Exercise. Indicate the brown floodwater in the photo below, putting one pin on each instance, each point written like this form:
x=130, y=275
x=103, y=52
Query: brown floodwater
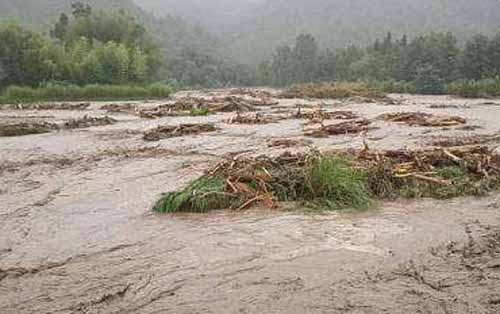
x=77, y=234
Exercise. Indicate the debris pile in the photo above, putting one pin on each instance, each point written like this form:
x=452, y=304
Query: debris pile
x=422, y=119
x=169, y=131
x=470, y=140
x=87, y=122
x=319, y=115
x=287, y=143
x=348, y=127
x=230, y=104
x=48, y=106
x=189, y=106
x=160, y=112
x=359, y=92
x=258, y=118
x=255, y=93
x=449, y=106
x=26, y=128
x=120, y=108
x=338, y=180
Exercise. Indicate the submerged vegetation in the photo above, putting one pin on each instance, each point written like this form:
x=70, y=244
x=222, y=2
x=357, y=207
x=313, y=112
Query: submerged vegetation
x=338, y=180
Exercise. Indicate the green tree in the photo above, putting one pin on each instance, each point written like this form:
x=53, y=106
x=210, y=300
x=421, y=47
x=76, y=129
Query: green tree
x=281, y=66
x=305, y=58
x=92, y=69
x=81, y=10
x=138, y=65
x=428, y=80
x=21, y=56
x=60, y=28
x=476, y=63
x=494, y=56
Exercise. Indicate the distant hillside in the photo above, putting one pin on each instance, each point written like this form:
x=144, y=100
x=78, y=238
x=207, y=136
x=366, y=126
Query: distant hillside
x=217, y=16
x=252, y=28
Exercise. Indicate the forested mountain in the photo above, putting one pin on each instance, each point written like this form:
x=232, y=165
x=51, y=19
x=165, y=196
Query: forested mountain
x=251, y=28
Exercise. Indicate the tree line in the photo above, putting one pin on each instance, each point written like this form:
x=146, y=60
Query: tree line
x=86, y=47
x=429, y=62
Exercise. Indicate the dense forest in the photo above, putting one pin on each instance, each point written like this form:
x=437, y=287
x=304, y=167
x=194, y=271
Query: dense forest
x=119, y=43
x=429, y=62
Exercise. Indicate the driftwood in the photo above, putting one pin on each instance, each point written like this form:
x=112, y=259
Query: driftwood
x=168, y=131
x=348, y=127
x=87, y=122
x=422, y=119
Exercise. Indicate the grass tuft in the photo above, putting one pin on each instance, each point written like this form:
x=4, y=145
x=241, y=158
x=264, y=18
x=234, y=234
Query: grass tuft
x=204, y=194
x=336, y=184
x=199, y=112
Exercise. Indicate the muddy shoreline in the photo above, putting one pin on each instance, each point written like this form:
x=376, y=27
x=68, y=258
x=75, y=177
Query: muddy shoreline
x=78, y=236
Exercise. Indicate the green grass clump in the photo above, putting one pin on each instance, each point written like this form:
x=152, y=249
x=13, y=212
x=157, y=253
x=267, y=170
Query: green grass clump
x=204, y=194
x=199, y=112
x=61, y=92
x=333, y=182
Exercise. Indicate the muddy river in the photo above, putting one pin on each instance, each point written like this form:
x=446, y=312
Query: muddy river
x=77, y=234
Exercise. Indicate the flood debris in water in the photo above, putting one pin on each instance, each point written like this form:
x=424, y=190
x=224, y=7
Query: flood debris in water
x=88, y=121
x=356, y=92
x=257, y=118
x=159, y=112
x=287, y=142
x=468, y=140
x=449, y=106
x=347, y=127
x=255, y=93
x=423, y=119
x=9, y=129
x=338, y=180
x=48, y=106
x=231, y=104
x=191, y=106
x=120, y=108
x=169, y=131
x=321, y=114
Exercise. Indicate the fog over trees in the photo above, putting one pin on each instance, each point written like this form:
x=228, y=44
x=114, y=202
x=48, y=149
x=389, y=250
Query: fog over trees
x=251, y=42
x=250, y=29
